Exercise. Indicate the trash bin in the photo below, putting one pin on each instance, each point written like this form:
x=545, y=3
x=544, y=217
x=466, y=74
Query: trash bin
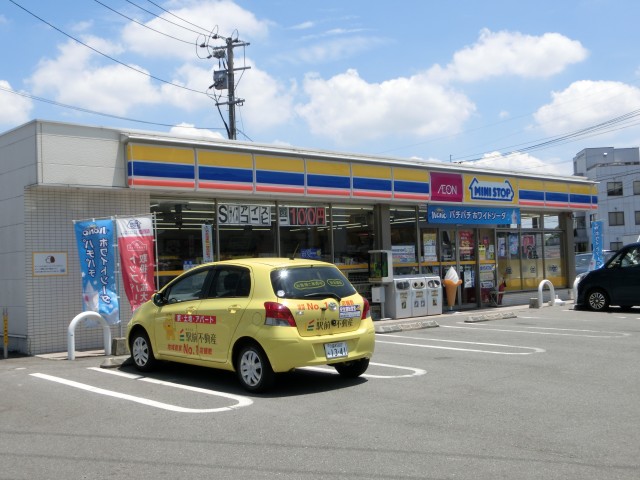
x=419, y=299
x=434, y=295
x=398, y=298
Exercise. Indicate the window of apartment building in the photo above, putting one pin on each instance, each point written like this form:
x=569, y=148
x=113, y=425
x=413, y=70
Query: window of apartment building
x=637, y=217
x=616, y=219
x=614, y=189
x=615, y=246
x=636, y=187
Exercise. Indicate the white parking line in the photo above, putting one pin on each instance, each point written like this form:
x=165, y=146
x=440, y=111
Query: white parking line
x=241, y=401
x=416, y=372
x=420, y=345
x=556, y=331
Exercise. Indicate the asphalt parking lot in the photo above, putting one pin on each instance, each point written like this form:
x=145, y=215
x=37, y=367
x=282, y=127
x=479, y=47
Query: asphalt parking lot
x=547, y=393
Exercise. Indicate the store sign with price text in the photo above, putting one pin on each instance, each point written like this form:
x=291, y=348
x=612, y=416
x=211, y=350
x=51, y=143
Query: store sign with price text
x=293, y=216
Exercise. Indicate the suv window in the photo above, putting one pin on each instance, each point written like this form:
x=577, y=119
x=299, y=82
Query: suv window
x=311, y=282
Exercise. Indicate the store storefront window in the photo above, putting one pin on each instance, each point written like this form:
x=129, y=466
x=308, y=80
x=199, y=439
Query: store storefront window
x=403, y=240
x=509, y=260
x=553, y=260
x=353, y=228
x=305, y=231
x=246, y=230
x=531, y=255
x=179, y=233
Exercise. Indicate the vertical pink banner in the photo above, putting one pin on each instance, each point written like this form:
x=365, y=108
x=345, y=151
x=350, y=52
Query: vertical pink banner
x=135, y=242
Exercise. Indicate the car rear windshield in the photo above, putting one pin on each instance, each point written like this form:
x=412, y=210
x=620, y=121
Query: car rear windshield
x=311, y=282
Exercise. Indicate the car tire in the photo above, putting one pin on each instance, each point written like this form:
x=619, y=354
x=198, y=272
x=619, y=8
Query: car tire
x=597, y=300
x=142, y=352
x=352, y=369
x=253, y=369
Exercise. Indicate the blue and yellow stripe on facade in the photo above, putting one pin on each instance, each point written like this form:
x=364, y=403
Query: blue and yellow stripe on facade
x=531, y=193
x=583, y=197
x=328, y=178
x=279, y=175
x=410, y=184
x=371, y=181
x=218, y=170
x=154, y=166
x=556, y=194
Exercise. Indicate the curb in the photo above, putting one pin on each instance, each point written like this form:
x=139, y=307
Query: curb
x=490, y=316
x=404, y=326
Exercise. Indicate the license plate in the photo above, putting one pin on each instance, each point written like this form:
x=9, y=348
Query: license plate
x=336, y=350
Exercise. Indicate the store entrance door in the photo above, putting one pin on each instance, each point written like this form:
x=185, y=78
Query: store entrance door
x=471, y=251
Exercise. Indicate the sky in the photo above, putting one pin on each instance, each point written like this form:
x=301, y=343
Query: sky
x=519, y=85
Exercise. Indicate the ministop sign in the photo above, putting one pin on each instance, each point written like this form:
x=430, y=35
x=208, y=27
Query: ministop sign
x=493, y=191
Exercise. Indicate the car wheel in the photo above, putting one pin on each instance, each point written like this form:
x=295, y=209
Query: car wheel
x=597, y=300
x=352, y=369
x=141, y=352
x=253, y=369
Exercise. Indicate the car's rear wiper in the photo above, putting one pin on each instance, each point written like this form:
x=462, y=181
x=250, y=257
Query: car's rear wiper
x=322, y=295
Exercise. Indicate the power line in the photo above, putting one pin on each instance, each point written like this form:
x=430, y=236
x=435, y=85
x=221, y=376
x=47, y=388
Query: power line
x=142, y=24
x=202, y=32
x=94, y=112
x=104, y=54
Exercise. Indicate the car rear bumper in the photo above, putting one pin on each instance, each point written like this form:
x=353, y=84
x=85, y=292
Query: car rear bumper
x=287, y=350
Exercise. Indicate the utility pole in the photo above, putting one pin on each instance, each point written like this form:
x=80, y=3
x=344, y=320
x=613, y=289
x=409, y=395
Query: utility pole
x=224, y=79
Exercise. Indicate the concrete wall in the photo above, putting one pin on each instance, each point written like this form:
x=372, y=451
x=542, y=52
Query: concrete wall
x=53, y=301
x=18, y=160
x=74, y=155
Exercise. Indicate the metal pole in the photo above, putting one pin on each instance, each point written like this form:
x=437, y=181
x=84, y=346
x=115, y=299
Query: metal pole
x=232, y=98
x=5, y=321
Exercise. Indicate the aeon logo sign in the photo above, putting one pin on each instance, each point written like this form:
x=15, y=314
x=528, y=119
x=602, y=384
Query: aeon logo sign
x=446, y=187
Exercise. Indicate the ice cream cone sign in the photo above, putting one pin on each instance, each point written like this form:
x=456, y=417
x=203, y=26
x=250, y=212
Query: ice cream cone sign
x=451, y=283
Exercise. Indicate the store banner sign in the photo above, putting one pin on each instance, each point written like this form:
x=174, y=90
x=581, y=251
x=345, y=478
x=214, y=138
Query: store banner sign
x=473, y=215
x=95, y=240
x=597, y=241
x=135, y=242
x=207, y=243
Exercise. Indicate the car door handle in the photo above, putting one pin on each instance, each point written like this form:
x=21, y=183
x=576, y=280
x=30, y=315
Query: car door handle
x=190, y=310
x=233, y=308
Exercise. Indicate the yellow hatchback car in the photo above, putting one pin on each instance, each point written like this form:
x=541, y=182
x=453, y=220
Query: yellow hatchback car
x=257, y=317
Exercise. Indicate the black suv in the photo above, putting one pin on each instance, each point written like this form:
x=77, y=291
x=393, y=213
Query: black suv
x=616, y=283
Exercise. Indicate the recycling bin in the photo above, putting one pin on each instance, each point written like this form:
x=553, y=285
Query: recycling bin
x=398, y=298
x=419, y=307
x=434, y=295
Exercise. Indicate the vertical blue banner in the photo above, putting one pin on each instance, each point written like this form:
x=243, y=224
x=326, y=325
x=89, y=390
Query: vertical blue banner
x=96, y=249
x=597, y=242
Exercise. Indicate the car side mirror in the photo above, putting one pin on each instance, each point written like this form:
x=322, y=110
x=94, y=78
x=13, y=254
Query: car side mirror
x=159, y=300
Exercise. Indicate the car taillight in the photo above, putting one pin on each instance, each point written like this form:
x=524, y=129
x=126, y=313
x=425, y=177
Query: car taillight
x=365, y=308
x=279, y=315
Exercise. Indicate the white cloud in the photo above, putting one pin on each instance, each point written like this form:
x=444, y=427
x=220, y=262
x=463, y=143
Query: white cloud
x=521, y=162
x=348, y=109
x=512, y=53
x=585, y=103
x=303, y=26
x=15, y=109
x=331, y=50
x=222, y=17
x=75, y=77
x=268, y=102
x=187, y=130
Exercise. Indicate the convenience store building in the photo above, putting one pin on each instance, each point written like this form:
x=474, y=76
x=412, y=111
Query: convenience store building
x=492, y=226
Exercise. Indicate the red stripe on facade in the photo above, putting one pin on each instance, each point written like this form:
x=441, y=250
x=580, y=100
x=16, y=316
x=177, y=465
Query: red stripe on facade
x=328, y=191
x=274, y=189
x=410, y=196
x=226, y=186
x=147, y=182
x=357, y=193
